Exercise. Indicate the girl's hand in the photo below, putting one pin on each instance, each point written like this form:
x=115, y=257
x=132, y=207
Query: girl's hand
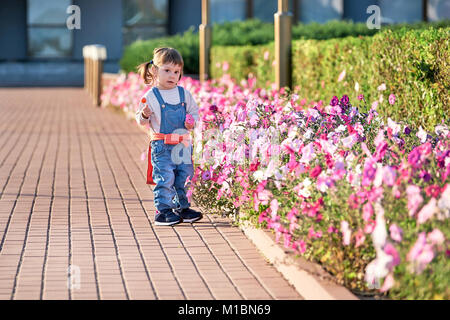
x=189, y=122
x=146, y=111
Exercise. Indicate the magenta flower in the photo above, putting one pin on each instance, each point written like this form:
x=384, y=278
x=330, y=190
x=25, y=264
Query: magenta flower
x=361, y=97
x=213, y=108
x=206, y=175
x=334, y=101
x=316, y=171
x=414, y=158
x=369, y=172
x=345, y=100
x=392, y=98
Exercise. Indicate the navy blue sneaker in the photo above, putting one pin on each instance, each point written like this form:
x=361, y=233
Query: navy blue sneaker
x=189, y=215
x=167, y=218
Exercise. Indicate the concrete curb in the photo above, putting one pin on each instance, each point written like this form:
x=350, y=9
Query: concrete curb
x=309, y=279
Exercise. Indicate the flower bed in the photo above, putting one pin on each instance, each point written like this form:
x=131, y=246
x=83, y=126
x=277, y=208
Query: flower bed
x=367, y=200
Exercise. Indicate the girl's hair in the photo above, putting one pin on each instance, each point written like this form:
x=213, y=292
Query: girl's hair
x=161, y=56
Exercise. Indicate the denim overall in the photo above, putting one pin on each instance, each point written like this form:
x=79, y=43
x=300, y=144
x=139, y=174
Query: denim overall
x=169, y=192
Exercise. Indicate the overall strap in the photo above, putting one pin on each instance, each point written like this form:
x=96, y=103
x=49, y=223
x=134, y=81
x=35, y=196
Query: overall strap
x=158, y=95
x=181, y=91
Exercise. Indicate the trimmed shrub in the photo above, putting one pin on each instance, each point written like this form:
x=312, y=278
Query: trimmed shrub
x=413, y=65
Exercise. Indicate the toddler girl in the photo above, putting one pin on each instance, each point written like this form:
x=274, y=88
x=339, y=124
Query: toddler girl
x=171, y=112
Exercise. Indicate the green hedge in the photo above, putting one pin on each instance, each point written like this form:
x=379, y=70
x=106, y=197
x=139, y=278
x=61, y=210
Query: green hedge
x=414, y=65
x=242, y=33
x=140, y=51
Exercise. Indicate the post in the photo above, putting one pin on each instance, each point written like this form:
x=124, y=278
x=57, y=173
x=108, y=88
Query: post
x=93, y=59
x=283, y=35
x=205, y=41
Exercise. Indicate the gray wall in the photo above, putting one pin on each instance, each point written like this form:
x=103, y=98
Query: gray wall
x=13, y=29
x=184, y=14
x=101, y=23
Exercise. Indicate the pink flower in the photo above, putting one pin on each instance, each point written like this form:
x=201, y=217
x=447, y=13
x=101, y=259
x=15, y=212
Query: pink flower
x=389, y=175
x=316, y=171
x=341, y=76
x=396, y=232
x=388, y=282
x=346, y=233
x=390, y=250
x=367, y=211
x=225, y=66
x=417, y=248
x=369, y=227
x=427, y=211
x=274, y=208
x=359, y=238
x=414, y=199
x=266, y=55
x=392, y=98
x=382, y=87
x=436, y=237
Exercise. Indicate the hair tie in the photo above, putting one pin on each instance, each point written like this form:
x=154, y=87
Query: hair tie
x=151, y=61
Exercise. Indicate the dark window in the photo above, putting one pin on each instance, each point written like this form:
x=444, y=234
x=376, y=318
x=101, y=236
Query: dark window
x=144, y=19
x=48, y=35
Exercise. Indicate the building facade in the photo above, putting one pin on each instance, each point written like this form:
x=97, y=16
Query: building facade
x=38, y=48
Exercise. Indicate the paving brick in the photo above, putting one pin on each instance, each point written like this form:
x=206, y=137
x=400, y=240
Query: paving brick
x=72, y=149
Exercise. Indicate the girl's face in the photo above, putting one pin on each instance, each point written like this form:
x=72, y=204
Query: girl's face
x=168, y=75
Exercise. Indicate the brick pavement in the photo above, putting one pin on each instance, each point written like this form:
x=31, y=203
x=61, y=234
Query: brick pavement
x=73, y=193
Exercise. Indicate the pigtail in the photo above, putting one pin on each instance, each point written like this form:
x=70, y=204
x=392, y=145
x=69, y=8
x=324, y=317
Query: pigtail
x=145, y=72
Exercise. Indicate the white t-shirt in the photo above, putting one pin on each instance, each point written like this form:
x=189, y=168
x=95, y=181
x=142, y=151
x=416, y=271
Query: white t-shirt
x=170, y=96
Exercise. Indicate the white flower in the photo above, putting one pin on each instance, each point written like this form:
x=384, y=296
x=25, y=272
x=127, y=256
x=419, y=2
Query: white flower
x=308, y=133
x=441, y=130
x=422, y=135
x=356, y=86
x=394, y=126
x=349, y=141
x=378, y=175
x=379, y=234
x=258, y=175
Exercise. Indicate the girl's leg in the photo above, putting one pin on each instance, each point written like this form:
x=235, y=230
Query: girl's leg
x=182, y=172
x=163, y=176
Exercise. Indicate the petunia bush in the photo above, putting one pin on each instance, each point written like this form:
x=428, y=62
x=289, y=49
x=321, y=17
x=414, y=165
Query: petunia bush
x=368, y=200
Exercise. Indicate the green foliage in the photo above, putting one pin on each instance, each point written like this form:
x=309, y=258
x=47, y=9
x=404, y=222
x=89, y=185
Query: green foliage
x=141, y=51
x=244, y=33
x=414, y=65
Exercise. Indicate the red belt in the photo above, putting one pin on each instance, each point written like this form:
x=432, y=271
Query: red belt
x=170, y=138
